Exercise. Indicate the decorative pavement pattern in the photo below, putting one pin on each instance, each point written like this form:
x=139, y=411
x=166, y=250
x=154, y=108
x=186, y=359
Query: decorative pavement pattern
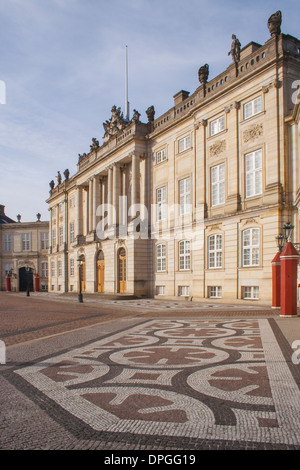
x=202, y=379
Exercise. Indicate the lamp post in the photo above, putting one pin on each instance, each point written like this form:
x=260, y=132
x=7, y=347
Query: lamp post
x=79, y=259
x=27, y=268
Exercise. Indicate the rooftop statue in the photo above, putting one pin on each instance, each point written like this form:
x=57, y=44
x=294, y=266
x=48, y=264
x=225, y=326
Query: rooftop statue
x=235, y=50
x=115, y=124
x=274, y=23
x=203, y=74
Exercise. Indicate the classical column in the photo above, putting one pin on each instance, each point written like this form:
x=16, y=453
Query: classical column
x=90, y=206
x=79, y=212
x=116, y=192
x=109, y=195
x=135, y=184
x=57, y=226
x=86, y=210
x=96, y=199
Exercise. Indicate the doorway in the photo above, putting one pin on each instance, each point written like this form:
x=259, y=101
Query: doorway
x=25, y=280
x=82, y=273
x=122, y=270
x=100, y=272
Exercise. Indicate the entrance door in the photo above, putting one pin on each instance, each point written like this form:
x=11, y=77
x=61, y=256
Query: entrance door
x=25, y=280
x=100, y=272
x=122, y=271
x=82, y=274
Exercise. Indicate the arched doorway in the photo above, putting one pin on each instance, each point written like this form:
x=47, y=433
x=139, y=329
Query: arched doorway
x=122, y=271
x=25, y=279
x=82, y=273
x=100, y=272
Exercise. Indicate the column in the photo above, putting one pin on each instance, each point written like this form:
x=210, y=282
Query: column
x=135, y=185
x=96, y=200
x=90, y=206
x=109, y=195
x=116, y=192
x=86, y=210
x=79, y=212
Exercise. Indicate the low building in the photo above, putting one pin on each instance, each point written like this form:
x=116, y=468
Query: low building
x=24, y=248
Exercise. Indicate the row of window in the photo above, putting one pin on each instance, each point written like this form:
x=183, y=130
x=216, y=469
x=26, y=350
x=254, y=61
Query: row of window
x=216, y=126
x=214, y=292
x=25, y=241
x=250, y=251
x=8, y=267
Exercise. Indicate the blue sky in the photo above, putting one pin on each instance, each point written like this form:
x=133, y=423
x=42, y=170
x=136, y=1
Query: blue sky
x=63, y=64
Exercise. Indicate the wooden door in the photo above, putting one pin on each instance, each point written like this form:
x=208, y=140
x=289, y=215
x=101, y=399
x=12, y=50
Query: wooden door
x=122, y=271
x=100, y=275
x=82, y=268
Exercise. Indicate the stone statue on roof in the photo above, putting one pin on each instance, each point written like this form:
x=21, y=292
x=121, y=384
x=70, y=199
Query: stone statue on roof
x=235, y=50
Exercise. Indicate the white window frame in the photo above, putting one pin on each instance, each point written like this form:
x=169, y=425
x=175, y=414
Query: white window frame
x=26, y=241
x=161, y=258
x=52, y=267
x=184, y=189
x=253, y=173
x=160, y=290
x=161, y=203
x=217, y=178
x=44, y=241
x=54, y=238
x=215, y=251
x=250, y=292
x=72, y=232
x=253, y=107
x=161, y=156
x=61, y=235
x=215, y=292
x=251, y=247
x=72, y=267
x=184, y=144
x=184, y=252
x=7, y=242
x=44, y=269
x=183, y=291
x=218, y=125
x=59, y=268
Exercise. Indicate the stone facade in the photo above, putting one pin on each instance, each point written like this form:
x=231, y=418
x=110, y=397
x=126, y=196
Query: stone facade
x=24, y=245
x=214, y=178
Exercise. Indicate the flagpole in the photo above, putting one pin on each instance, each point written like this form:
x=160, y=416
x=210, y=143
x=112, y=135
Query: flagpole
x=126, y=87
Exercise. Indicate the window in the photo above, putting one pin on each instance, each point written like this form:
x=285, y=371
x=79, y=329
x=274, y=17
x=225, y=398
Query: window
x=25, y=241
x=59, y=268
x=215, y=292
x=161, y=251
x=184, y=196
x=253, y=173
x=54, y=238
x=161, y=156
x=251, y=247
x=8, y=267
x=217, y=126
x=72, y=267
x=184, y=291
x=7, y=242
x=252, y=108
x=217, y=185
x=52, y=269
x=250, y=292
x=44, y=241
x=215, y=251
x=184, y=144
x=72, y=233
x=160, y=290
x=61, y=236
x=184, y=255
x=72, y=202
x=161, y=203
x=44, y=269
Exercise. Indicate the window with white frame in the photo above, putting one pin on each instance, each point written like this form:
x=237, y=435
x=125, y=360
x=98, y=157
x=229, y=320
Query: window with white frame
x=218, y=125
x=25, y=241
x=184, y=143
x=251, y=247
x=250, y=292
x=217, y=184
x=184, y=291
x=161, y=156
x=72, y=232
x=215, y=292
x=44, y=241
x=185, y=196
x=61, y=236
x=59, y=268
x=252, y=107
x=160, y=290
x=72, y=267
x=215, y=246
x=184, y=255
x=54, y=238
x=161, y=203
x=253, y=173
x=44, y=269
x=161, y=258
x=7, y=244
x=52, y=269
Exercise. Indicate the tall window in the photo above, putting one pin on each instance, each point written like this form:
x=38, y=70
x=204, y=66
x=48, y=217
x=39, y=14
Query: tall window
x=161, y=203
x=44, y=241
x=61, y=236
x=252, y=107
x=25, y=241
x=52, y=269
x=72, y=233
x=184, y=255
x=72, y=267
x=44, y=269
x=217, y=126
x=7, y=242
x=215, y=243
x=161, y=253
x=251, y=247
x=161, y=156
x=184, y=144
x=253, y=173
x=59, y=268
x=184, y=196
x=218, y=185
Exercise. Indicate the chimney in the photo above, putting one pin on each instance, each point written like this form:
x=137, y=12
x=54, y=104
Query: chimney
x=2, y=209
x=180, y=96
x=19, y=218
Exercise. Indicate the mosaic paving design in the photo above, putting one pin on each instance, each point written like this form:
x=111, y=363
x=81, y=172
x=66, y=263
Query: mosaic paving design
x=204, y=379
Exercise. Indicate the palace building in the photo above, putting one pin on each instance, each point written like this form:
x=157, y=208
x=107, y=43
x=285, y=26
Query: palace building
x=188, y=204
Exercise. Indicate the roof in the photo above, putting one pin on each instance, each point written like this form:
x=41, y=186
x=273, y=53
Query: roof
x=3, y=218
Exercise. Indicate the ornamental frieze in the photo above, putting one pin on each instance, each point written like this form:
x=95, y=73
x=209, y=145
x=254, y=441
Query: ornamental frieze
x=217, y=148
x=253, y=133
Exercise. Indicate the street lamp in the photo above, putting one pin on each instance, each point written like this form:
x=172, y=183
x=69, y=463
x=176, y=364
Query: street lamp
x=288, y=230
x=79, y=259
x=27, y=268
x=280, y=241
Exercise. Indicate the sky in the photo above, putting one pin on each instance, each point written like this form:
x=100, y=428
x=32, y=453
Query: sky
x=62, y=68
